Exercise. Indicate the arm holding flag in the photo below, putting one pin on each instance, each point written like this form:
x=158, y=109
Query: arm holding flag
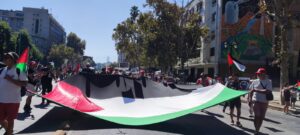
x=16, y=82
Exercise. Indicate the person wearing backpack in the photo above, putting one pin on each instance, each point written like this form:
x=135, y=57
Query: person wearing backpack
x=260, y=88
x=10, y=92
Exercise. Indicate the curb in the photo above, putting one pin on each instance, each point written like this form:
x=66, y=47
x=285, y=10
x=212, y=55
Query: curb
x=275, y=107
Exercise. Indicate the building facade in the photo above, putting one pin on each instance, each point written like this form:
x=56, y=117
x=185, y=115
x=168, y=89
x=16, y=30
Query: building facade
x=40, y=24
x=122, y=60
x=236, y=27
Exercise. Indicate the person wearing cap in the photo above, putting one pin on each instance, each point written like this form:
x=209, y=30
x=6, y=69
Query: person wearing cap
x=259, y=88
x=10, y=92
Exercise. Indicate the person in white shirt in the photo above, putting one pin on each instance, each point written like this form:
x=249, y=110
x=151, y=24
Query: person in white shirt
x=259, y=89
x=10, y=92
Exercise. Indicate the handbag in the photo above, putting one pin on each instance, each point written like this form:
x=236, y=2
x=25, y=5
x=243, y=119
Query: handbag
x=269, y=95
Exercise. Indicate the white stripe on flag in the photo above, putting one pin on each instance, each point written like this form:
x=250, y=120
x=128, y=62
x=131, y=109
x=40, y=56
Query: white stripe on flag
x=239, y=66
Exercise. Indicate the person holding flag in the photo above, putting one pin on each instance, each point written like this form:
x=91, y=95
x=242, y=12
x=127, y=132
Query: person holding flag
x=259, y=90
x=12, y=78
x=32, y=81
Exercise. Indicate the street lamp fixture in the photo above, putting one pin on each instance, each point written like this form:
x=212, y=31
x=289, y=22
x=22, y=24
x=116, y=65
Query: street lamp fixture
x=231, y=45
x=225, y=44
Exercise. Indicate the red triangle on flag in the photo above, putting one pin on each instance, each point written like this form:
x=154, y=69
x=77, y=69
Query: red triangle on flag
x=24, y=56
x=229, y=59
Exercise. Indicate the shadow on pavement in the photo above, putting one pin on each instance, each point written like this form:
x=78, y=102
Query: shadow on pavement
x=193, y=124
x=51, y=121
x=294, y=115
x=41, y=106
x=251, y=130
x=23, y=116
x=272, y=121
x=213, y=114
x=273, y=129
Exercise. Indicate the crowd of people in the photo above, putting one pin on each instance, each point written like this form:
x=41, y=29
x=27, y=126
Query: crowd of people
x=41, y=77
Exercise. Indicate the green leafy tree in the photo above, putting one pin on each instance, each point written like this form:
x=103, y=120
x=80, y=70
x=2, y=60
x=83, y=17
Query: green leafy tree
x=148, y=27
x=59, y=53
x=5, y=35
x=76, y=43
x=191, y=39
x=157, y=38
x=279, y=11
x=23, y=41
x=128, y=39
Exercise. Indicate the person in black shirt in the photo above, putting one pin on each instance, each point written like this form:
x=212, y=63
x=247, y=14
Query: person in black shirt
x=233, y=83
x=46, y=82
x=88, y=69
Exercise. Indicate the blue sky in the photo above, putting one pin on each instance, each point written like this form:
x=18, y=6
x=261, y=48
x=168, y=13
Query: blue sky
x=91, y=20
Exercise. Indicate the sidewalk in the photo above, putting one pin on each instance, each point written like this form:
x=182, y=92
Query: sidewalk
x=275, y=104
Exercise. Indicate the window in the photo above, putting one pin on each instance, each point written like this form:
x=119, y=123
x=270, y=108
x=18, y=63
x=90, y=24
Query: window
x=214, y=2
x=212, y=51
x=199, y=71
x=36, y=26
x=212, y=35
x=211, y=71
x=213, y=17
x=199, y=6
x=192, y=11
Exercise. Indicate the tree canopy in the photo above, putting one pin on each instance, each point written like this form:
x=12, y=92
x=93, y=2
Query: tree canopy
x=76, y=43
x=159, y=37
x=17, y=42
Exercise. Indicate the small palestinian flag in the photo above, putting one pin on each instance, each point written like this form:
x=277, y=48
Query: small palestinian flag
x=298, y=85
x=238, y=64
x=23, y=60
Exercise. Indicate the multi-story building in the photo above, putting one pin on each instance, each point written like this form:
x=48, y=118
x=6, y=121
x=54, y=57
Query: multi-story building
x=41, y=25
x=122, y=60
x=14, y=18
x=236, y=27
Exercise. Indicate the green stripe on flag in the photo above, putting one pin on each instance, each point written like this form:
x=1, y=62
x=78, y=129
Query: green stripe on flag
x=22, y=67
x=225, y=95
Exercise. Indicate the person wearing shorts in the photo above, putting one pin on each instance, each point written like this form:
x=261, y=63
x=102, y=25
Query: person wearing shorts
x=233, y=83
x=293, y=97
x=10, y=92
x=259, y=88
x=286, y=90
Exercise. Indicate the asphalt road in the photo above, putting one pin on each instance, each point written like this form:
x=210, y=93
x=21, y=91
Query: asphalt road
x=212, y=121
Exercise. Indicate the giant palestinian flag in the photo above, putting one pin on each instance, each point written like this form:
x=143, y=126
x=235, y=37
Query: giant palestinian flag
x=135, y=101
x=298, y=85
